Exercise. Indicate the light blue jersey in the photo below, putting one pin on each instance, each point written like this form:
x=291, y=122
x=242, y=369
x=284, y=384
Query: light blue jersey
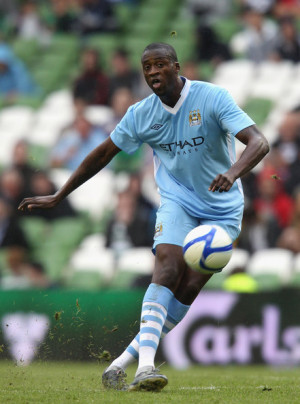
x=192, y=143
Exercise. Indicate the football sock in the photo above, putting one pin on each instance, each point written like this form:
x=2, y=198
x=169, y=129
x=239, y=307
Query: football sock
x=154, y=313
x=176, y=312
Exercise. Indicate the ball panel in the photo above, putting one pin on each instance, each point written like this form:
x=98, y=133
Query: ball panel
x=207, y=249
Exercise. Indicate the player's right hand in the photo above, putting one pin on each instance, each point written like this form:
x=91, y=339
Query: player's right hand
x=38, y=202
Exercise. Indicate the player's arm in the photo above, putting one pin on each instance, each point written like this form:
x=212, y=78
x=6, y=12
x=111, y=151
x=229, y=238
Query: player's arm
x=90, y=166
x=256, y=148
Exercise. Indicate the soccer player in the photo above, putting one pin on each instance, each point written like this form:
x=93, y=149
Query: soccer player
x=191, y=126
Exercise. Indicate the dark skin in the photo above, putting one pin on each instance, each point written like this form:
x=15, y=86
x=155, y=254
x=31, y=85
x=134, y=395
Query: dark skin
x=161, y=74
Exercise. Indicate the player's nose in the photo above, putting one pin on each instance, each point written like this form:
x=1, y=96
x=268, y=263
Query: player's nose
x=152, y=71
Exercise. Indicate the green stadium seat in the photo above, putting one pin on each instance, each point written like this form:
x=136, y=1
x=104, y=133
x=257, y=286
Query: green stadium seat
x=268, y=282
x=47, y=78
x=124, y=13
x=27, y=50
x=123, y=280
x=36, y=230
x=2, y=259
x=216, y=282
x=225, y=28
x=29, y=101
x=85, y=280
x=38, y=155
x=258, y=109
x=69, y=231
x=295, y=280
x=105, y=44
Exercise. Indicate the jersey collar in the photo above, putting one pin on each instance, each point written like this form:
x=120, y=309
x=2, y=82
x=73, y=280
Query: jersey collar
x=183, y=95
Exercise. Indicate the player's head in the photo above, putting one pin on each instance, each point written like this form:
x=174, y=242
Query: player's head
x=160, y=67
x=167, y=49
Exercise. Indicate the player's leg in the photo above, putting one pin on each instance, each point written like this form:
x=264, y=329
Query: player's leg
x=172, y=225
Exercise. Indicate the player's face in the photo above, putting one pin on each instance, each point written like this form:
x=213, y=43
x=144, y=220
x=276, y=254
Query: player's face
x=160, y=72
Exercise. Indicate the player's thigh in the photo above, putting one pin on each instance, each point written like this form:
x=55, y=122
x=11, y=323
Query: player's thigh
x=172, y=224
x=231, y=225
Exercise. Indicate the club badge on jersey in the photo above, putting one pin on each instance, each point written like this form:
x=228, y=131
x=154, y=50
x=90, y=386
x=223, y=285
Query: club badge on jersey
x=195, y=117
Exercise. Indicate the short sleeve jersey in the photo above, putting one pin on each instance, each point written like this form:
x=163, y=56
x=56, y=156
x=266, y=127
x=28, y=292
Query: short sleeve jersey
x=192, y=143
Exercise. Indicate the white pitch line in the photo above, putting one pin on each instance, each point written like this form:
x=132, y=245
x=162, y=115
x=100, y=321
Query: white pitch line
x=200, y=388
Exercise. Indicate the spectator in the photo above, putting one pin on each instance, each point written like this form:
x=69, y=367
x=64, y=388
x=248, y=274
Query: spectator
x=19, y=272
x=121, y=100
x=209, y=47
x=92, y=85
x=75, y=143
x=256, y=41
x=272, y=200
x=96, y=16
x=128, y=226
x=146, y=207
x=11, y=234
x=259, y=230
x=263, y=6
x=63, y=16
x=287, y=44
x=122, y=73
x=12, y=186
x=287, y=7
x=20, y=162
x=14, y=78
x=292, y=179
x=290, y=236
x=41, y=185
x=285, y=150
x=191, y=69
x=29, y=22
x=209, y=9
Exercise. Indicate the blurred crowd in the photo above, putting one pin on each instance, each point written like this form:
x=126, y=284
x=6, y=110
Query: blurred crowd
x=269, y=30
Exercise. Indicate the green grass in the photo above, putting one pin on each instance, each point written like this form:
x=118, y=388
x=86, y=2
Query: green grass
x=80, y=383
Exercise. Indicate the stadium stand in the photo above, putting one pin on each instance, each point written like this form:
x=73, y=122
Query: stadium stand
x=71, y=249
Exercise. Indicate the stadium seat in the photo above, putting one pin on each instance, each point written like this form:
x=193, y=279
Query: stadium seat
x=269, y=73
x=273, y=261
x=99, y=260
x=36, y=230
x=267, y=282
x=96, y=195
x=239, y=259
x=295, y=277
x=58, y=100
x=68, y=232
x=225, y=28
x=235, y=76
x=17, y=116
x=28, y=50
x=137, y=260
x=216, y=281
x=84, y=280
x=258, y=109
x=98, y=114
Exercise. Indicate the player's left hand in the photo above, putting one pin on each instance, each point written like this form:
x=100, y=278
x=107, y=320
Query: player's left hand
x=222, y=183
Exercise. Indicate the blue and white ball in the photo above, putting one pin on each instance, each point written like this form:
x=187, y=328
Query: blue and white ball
x=207, y=249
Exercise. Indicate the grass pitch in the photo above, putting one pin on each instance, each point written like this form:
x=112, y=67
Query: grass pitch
x=69, y=382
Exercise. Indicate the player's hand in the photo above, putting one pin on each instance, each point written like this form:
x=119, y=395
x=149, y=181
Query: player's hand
x=38, y=202
x=222, y=183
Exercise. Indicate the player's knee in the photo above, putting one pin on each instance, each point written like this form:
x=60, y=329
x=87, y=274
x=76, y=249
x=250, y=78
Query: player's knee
x=169, y=268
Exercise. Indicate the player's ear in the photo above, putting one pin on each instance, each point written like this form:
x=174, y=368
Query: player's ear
x=177, y=66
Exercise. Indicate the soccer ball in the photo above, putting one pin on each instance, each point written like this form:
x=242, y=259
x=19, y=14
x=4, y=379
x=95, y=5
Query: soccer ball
x=207, y=249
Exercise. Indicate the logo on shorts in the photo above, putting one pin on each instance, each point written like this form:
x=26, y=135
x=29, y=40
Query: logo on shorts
x=158, y=230
x=156, y=126
x=195, y=117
